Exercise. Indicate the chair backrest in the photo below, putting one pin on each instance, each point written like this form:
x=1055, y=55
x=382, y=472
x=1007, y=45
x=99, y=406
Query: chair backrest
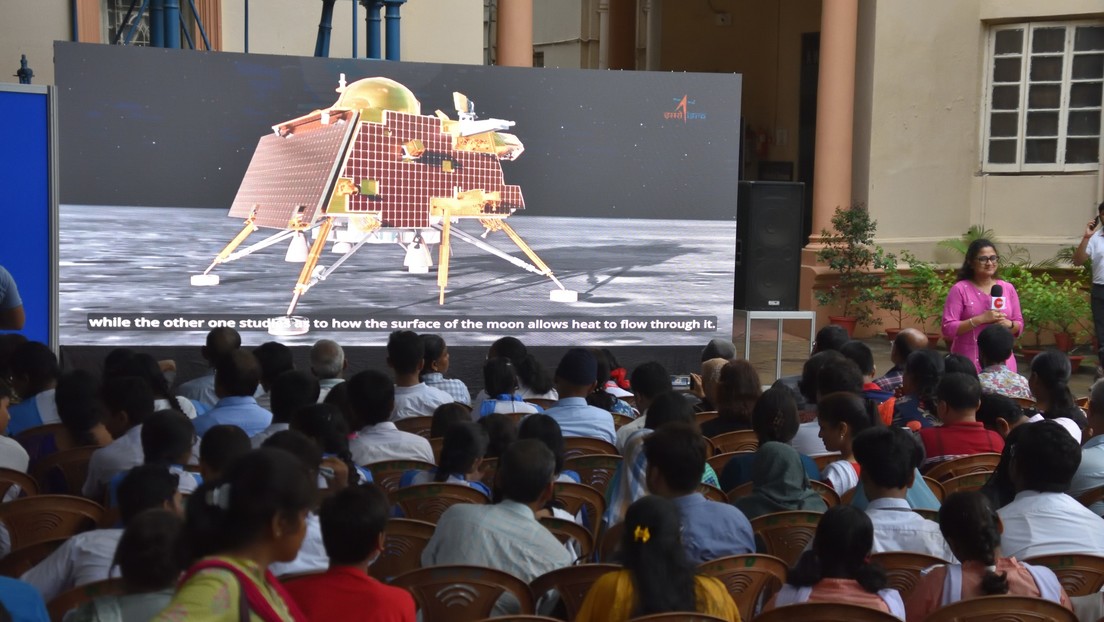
x=47, y=517
x=403, y=543
x=742, y=490
x=786, y=534
x=24, y=558
x=936, y=487
x=826, y=612
x=970, y=481
x=932, y=515
x=620, y=420
x=740, y=440
x=719, y=461
x=489, y=469
x=462, y=593
x=427, y=502
x=581, y=446
x=609, y=544
x=847, y=497
x=1003, y=608
x=749, y=579
x=712, y=493
x=710, y=449
x=542, y=402
x=388, y=473
x=595, y=470
x=823, y=460
x=67, y=601
x=415, y=425
x=826, y=492
x=678, y=616
x=575, y=497
x=436, y=444
x=28, y=487
x=1089, y=497
x=704, y=416
x=566, y=531
x=39, y=440
x=572, y=583
x=1079, y=574
x=944, y=471
x=69, y=467
x=903, y=569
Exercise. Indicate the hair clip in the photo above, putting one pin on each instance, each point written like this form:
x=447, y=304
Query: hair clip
x=641, y=534
x=219, y=497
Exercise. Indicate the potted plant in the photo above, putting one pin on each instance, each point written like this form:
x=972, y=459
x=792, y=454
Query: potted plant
x=849, y=251
x=923, y=292
x=1068, y=306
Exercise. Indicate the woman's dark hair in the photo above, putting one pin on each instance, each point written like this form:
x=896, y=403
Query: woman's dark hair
x=925, y=369
x=116, y=362
x=339, y=396
x=837, y=408
x=958, y=364
x=78, y=405
x=996, y=406
x=324, y=424
x=531, y=373
x=599, y=397
x=841, y=550
x=501, y=433
x=811, y=370
x=235, y=510
x=464, y=444
x=145, y=366
x=738, y=388
x=970, y=525
x=499, y=377
x=1052, y=368
x=434, y=349
x=999, y=488
x=546, y=430
x=774, y=417
x=662, y=575
x=445, y=415
x=966, y=272
x=144, y=554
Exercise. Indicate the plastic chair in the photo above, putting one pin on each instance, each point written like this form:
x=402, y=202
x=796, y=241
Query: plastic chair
x=1079, y=574
x=741, y=440
x=710, y=448
x=67, y=601
x=427, y=502
x=489, y=469
x=742, y=490
x=1002, y=609
x=620, y=420
x=970, y=481
x=572, y=583
x=750, y=579
x=415, y=425
x=826, y=492
x=825, y=612
x=719, y=461
x=609, y=545
x=712, y=493
x=48, y=517
x=575, y=497
x=575, y=446
x=39, y=440
x=976, y=463
x=28, y=487
x=387, y=474
x=678, y=616
x=903, y=569
x=846, y=498
x=64, y=472
x=704, y=416
x=566, y=531
x=823, y=460
x=403, y=543
x=436, y=444
x=786, y=534
x=936, y=487
x=1089, y=497
x=24, y=558
x=462, y=593
x=595, y=471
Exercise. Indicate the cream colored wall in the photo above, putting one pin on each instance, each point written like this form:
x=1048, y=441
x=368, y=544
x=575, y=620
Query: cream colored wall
x=441, y=31
x=558, y=32
x=30, y=27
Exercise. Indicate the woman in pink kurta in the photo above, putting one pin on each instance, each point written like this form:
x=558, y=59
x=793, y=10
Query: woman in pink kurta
x=969, y=306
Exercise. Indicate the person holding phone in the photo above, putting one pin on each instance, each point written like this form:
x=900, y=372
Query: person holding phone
x=1092, y=248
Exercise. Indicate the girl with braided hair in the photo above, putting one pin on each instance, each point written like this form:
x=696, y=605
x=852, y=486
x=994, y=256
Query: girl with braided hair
x=1049, y=382
x=973, y=532
x=915, y=408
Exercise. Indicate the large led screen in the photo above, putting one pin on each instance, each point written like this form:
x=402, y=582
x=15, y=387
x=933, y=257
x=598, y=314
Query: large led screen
x=313, y=197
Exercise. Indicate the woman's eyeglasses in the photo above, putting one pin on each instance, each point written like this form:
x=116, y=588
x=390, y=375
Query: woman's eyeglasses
x=989, y=259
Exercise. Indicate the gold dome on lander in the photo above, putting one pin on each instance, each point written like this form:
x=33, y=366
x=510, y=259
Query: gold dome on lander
x=371, y=96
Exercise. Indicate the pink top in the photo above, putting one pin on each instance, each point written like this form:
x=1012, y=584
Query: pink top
x=965, y=301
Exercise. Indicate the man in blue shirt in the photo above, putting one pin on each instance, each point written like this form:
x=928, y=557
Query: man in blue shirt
x=576, y=377
x=236, y=379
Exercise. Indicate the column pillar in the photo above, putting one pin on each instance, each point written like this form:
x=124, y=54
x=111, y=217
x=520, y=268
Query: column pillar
x=514, y=32
x=655, y=34
x=391, y=14
x=603, y=34
x=622, y=34
x=372, y=28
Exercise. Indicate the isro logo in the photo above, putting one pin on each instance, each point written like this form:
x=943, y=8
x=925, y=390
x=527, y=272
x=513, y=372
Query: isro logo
x=681, y=111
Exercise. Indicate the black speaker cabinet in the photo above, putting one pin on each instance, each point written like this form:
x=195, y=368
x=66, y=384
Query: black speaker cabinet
x=768, y=245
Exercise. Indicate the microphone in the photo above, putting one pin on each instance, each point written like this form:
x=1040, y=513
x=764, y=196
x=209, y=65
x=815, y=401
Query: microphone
x=999, y=303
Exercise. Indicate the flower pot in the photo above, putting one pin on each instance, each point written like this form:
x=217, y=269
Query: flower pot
x=891, y=333
x=1064, y=341
x=848, y=323
x=933, y=340
x=1075, y=363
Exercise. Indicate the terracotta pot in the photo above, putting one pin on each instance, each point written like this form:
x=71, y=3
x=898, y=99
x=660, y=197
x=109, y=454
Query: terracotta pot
x=1075, y=363
x=891, y=333
x=1064, y=341
x=848, y=323
x=933, y=340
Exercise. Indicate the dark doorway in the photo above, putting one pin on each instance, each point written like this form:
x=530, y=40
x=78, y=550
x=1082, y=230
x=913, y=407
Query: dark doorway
x=806, y=120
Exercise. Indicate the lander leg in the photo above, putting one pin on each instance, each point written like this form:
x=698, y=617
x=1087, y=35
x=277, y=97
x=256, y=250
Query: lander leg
x=304, y=283
x=443, y=255
x=213, y=279
x=557, y=295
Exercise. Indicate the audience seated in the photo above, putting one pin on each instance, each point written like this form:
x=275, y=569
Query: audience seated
x=837, y=569
x=780, y=484
x=618, y=383
x=1043, y=520
x=219, y=447
x=860, y=353
x=807, y=440
x=889, y=457
x=220, y=342
x=353, y=523
x=129, y=402
x=311, y=556
x=274, y=358
x=12, y=454
x=34, y=369
x=905, y=343
x=328, y=364
x=828, y=339
x=604, y=395
x=501, y=433
x=916, y=408
x=576, y=377
x=500, y=384
x=87, y=557
x=705, y=385
x=738, y=388
x=973, y=532
x=323, y=424
x=1000, y=414
x=81, y=410
x=773, y=419
x=166, y=441
x=461, y=458
x=237, y=377
x=1090, y=473
x=372, y=399
x=961, y=434
x=434, y=367
x=235, y=527
x=1049, y=381
x=291, y=392
x=148, y=561
x=842, y=417
x=505, y=536
x=545, y=429
x=657, y=576
x=648, y=380
x=413, y=398
x=995, y=377
x=954, y=363
x=675, y=456
x=445, y=415
x=534, y=380
x=142, y=365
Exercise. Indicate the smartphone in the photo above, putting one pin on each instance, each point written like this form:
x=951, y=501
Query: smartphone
x=1097, y=221
x=680, y=383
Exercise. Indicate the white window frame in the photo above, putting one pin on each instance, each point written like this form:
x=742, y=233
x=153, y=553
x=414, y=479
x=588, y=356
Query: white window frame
x=1019, y=166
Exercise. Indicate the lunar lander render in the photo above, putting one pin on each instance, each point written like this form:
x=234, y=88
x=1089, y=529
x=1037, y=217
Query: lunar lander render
x=371, y=169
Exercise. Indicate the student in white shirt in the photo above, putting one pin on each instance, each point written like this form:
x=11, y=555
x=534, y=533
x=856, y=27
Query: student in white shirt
x=87, y=557
x=888, y=458
x=220, y=342
x=534, y=379
x=129, y=401
x=371, y=400
x=501, y=384
x=312, y=555
x=842, y=416
x=1043, y=519
x=292, y=391
x=413, y=398
x=12, y=454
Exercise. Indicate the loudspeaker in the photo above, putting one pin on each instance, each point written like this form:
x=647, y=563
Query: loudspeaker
x=769, y=235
